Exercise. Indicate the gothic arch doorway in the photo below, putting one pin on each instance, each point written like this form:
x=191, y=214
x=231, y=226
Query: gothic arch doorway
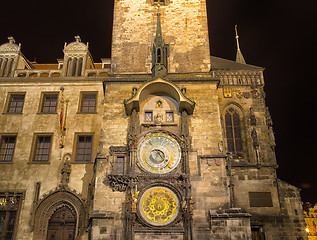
x=62, y=225
x=64, y=204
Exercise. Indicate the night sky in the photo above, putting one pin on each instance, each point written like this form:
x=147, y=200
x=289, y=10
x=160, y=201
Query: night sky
x=279, y=35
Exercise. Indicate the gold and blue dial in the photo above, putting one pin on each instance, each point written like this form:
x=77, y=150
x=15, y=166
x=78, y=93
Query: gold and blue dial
x=159, y=153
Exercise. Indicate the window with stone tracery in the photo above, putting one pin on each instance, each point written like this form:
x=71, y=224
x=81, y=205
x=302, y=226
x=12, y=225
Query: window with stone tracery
x=233, y=131
x=10, y=205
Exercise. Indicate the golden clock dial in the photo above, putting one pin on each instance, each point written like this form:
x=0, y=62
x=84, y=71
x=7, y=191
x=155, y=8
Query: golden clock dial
x=159, y=153
x=159, y=206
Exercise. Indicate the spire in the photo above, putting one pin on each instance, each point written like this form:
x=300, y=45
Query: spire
x=159, y=54
x=239, y=57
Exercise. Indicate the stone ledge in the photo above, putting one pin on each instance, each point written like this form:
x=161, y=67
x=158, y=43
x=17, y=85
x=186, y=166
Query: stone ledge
x=229, y=213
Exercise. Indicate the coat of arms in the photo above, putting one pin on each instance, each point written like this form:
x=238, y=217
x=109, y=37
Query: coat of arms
x=227, y=92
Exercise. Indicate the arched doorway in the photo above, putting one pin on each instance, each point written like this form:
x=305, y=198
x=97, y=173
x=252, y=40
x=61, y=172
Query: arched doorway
x=62, y=225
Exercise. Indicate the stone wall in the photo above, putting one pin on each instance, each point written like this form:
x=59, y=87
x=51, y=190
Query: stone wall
x=23, y=174
x=184, y=28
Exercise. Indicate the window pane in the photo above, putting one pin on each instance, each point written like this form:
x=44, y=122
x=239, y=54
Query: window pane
x=15, y=104
x=49, y=103
x=88, y=103
x=42, y=148
x=169, y=117
x=7, y=148
x=148, y=116
x=83, y=148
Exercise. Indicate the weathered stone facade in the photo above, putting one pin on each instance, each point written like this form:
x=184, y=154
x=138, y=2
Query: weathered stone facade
x=183, y=152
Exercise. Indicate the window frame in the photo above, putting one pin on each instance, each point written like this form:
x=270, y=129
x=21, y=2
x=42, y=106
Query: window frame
x=34, y=148
x=148, y=112
x=169, y=112
x=43, y=95
x=80, y=105
x=19, y=196
x=76, y=144
x=240, y=154
x=7, y=135
x=9, y=100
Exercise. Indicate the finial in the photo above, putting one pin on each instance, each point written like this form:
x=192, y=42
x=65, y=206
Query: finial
x=237, y=36
x=11, y=39
x=239, y=57
x=77, y=38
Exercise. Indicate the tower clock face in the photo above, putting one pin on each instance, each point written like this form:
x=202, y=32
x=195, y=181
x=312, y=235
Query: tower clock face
x=159, y=153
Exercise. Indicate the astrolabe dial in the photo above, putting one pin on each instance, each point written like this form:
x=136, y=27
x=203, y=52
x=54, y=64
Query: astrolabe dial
x=159, y=206
x=159, y=153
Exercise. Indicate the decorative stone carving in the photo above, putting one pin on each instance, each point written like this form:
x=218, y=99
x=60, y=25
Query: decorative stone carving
x=254, y=136
x=65, y=172
x=118, y=182
x=252, y=117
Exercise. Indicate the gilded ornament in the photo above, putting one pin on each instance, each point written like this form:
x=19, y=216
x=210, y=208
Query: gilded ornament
x=227, y=92
x=159, y=206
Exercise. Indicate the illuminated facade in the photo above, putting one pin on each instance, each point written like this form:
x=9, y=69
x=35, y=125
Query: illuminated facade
x=162, y=141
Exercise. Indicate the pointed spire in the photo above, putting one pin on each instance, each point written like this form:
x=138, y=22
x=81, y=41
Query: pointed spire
x=239, y=57
x=158, y=37
x=159, y=55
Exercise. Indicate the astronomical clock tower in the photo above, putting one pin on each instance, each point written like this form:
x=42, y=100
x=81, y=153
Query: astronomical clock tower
x=175, y=140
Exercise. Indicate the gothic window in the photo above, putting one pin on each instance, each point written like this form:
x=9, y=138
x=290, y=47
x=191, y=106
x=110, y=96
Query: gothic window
x=16, y=102
x=83, y=148
x=49, y=103
x=148, y=116
x=9, y=214
x=88, y=102
x=7, y=145
x=233, y=131
x=169, y=116
x=42, y=148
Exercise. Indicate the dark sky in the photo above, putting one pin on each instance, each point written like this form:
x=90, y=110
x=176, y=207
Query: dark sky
x=279, y=35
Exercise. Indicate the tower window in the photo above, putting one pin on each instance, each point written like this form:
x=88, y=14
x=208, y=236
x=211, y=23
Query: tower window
x=159, y=56
x=233, y=131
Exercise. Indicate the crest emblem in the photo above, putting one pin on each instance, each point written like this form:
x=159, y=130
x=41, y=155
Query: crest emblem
x=209, y=161
x=255, y=93
x=246, y=95
x=227, y=92
x=239, y=95
x=218, y=161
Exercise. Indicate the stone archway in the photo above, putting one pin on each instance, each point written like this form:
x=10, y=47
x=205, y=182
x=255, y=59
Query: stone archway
x=49, y=205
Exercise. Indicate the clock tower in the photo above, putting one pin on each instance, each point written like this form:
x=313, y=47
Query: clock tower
x=186, y=147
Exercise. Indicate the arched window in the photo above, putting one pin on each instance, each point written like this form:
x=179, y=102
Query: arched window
x=233, y=131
